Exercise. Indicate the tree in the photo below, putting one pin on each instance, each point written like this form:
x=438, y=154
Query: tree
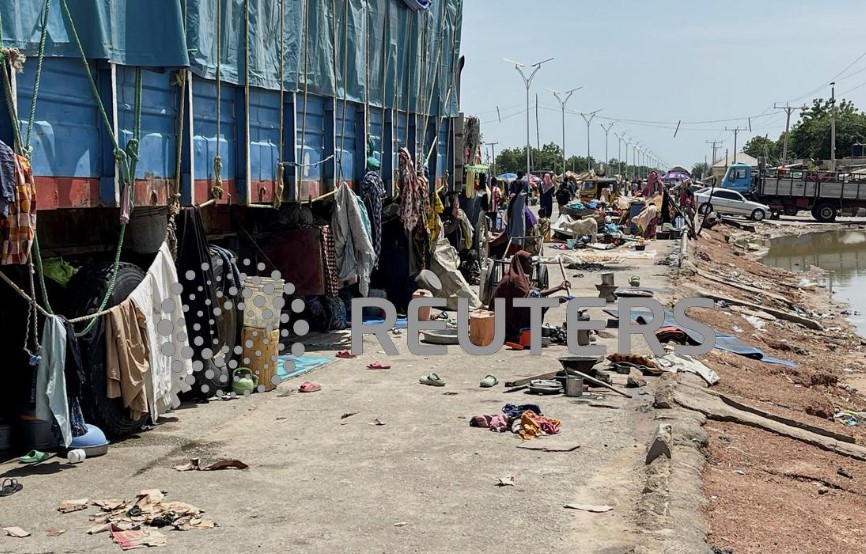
x=512, y=160
x=758, y=147
x=700, y=169
x=810, y=137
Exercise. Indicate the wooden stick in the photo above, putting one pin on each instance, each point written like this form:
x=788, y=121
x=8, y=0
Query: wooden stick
x=522, y=382
x=564, y=278
x=595, y=381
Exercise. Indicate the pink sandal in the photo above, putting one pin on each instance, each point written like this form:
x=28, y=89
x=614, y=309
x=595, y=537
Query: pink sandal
x=307, y=386
x=345, y=354
x=378, y=365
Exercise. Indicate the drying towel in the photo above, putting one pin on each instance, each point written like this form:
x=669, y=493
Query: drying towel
x=534, y=425
x=126, y=357
x=168, y=369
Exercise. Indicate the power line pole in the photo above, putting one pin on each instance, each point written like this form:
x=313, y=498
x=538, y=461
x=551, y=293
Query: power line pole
x=714, y=144
x=788, y=111
x=736, y=131
x=833, y=126
x=492, y=146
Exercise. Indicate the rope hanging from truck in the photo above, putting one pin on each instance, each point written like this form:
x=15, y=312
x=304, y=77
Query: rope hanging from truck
x=126, y=160
x=278, y=182
x=217, y=188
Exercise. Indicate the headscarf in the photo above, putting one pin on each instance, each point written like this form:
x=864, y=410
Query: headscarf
x=515, y=283
x=547, y=183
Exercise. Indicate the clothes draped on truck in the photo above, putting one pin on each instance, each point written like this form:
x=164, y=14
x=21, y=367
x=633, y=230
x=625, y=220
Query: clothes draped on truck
x=19, y=226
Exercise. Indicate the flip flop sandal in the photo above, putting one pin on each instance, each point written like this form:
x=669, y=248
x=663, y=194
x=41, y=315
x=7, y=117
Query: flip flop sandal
x=10, y=487
x=433, y=380
x=345, y=354
x=33, y=457
x=377, y=365
x=489, y=381
x=514, y=346
x=307, y=386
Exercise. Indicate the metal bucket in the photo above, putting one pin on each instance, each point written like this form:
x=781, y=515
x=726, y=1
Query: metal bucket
x=573, y=386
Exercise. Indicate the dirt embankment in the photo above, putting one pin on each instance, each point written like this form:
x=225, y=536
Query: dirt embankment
x=769, y=493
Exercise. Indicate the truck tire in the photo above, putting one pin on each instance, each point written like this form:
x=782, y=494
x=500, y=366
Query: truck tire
x=758, y=215
x=791, y=210
x=87, y=289
x=825, y=212
x=705, y=209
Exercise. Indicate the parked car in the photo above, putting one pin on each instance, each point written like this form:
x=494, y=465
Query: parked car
x=725, y=201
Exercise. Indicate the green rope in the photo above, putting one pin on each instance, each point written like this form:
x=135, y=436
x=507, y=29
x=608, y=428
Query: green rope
x=40, y=56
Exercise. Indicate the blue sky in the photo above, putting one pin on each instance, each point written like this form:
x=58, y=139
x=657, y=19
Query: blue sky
x=660, y=62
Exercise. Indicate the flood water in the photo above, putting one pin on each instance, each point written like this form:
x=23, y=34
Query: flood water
x=843, y=253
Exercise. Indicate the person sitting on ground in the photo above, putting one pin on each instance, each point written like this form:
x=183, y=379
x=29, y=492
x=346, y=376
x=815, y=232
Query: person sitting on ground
x=515, y=284
x=647, y=221
x=609, y=225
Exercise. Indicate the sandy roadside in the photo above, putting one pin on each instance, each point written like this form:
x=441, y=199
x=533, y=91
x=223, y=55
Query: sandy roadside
x=769, y=493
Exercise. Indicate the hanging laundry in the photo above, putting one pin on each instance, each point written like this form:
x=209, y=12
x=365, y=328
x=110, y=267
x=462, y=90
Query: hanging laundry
x=52, y=403
x=167, y=376
x=414, y=200
x=126, y=357
x=19, y=227
x=434, y=222
x=8, y=181
x=373, y=193
x=354, y=252
x=332, y=281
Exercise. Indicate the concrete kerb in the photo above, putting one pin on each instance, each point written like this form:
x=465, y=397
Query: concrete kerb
x=673, y=500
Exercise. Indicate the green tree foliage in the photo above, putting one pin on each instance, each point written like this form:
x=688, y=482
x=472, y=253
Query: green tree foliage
x=700, y=169
x=549, y=158
x=810, y=137
x=764, y=147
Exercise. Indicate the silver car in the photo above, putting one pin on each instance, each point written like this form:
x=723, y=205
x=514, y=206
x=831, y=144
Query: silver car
x=724, y=201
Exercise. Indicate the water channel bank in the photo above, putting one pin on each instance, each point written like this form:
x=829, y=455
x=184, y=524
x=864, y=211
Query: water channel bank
x=841, y=253
x=765, y=489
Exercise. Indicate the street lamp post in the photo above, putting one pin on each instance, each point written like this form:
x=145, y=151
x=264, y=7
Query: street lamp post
x=588, y=119
x=528, y=82
x=619, y=138
x=606, y=131
x=562, y=104
x=627, y=143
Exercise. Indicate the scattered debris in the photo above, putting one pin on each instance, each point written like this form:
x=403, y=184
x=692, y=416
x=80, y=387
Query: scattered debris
x=842, y=472
x=131, y=539
x=348, y=414
x=635, y=379
x=16, y=532
x=377, y=422
x=195, y=465
x=739, y=472
x=597, y=509
x=55, y=532
x=102, y=528
x=506, y=481
x=69, y=506
x=401, y=524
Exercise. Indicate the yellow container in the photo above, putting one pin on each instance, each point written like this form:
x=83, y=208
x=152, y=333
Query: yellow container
x=261, y=348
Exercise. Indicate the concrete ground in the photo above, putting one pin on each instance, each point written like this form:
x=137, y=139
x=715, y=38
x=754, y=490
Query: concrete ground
x=423, y=482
